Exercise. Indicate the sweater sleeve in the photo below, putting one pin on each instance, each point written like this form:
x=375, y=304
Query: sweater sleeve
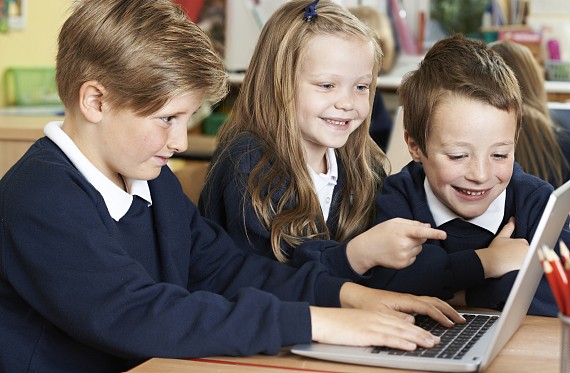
x=434, y=273
x=234, y=269
x=66, y=267
x=329, y=253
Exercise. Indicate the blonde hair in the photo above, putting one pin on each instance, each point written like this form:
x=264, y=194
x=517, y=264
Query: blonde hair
x=538, y=151
x=380, y=23
x=143, y=52
x=265, y=107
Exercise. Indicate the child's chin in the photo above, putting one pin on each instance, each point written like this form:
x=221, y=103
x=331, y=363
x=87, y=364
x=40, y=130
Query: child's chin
x=471, y=213
x=149, y=174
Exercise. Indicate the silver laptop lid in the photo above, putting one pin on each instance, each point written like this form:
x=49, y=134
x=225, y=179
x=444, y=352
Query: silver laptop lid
x=547, y=233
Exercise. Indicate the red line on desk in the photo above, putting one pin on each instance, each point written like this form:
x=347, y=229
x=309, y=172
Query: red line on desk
x=261, y=365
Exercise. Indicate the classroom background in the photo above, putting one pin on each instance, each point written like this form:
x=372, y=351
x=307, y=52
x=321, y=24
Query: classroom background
x=28, y=34
x=28, y=44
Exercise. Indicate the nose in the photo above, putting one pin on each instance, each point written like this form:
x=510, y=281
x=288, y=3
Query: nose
x=178, y=138
x=345, y=101
x=478, y=170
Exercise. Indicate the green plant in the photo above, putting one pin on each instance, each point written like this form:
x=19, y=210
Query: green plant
x=463, y=16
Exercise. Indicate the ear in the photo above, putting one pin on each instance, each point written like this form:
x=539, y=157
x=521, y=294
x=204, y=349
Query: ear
x=413, y=147
x=91, y=97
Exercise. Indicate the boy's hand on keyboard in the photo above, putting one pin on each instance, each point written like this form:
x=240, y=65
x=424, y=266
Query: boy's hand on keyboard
x=402, y=305
x=356, y=327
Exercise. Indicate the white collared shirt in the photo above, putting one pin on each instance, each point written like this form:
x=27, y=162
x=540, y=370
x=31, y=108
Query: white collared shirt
x=325, y=183
x=116, y=199
x=489, y=220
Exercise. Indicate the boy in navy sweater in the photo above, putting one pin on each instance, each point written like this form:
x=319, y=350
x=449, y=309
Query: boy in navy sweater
x=462, y=115
x=103, y=260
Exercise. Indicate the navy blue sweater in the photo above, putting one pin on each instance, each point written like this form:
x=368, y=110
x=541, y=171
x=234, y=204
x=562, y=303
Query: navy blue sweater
x=445, y=267
x=79, y=293
x=225, y=200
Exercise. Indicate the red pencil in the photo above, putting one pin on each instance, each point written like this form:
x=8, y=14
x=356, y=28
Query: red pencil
x=565, y=253
x=561, y=276
x=558, y=268
x=557, y=291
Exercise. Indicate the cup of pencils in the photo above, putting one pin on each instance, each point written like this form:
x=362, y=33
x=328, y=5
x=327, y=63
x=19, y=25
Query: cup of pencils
x=558, y=276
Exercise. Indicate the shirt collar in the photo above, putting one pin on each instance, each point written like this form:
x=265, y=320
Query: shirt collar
x=332, y=164
x=332, y=170
x=117, y=200
x=489, y=220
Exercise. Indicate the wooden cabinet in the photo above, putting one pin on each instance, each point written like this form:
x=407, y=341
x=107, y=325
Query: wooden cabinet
x=17, y=134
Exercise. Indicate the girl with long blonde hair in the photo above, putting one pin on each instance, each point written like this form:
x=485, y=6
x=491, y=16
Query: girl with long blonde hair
x=296, y=171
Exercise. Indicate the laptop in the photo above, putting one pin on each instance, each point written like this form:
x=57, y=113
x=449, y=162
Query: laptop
x=494, y=332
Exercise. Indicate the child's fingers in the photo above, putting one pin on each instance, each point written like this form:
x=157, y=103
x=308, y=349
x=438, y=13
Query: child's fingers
x=508, y=229
x=442, y=312
x=392, y=333
x=422, y=230
x=427, y=233
x=433, y=307
x=358, y=327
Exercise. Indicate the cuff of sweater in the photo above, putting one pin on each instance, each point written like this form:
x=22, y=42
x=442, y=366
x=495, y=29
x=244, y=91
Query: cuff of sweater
x=295, y=323
x=336, y=259
x=327, y=290
x=330, y=254
x=466, y=268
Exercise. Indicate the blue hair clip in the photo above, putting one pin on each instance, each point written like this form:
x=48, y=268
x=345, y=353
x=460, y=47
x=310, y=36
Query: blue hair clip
x=311, y=11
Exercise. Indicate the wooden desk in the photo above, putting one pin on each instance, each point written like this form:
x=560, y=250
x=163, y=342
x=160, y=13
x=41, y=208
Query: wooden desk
x=19, y=132
x=535, y=347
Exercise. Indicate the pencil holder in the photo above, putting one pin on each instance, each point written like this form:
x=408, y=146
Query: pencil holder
x=565, y=352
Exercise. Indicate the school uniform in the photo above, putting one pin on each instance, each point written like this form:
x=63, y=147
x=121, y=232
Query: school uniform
x=225, y=200
x=447, y=266
x=95, y=279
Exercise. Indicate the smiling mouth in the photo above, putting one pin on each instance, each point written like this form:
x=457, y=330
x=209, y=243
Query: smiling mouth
x=337, y=122
x=473, y=193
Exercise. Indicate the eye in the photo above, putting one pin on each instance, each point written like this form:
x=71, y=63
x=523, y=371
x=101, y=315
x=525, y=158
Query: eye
x=500, y=156
x=456, y=157
x=168, y=120
x=362, y=87
x=326, y=85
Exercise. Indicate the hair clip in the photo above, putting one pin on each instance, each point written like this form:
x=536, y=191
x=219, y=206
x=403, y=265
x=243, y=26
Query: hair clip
x=311, y=11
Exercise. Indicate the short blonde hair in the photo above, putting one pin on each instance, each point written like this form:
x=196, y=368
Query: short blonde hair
x=143, y=52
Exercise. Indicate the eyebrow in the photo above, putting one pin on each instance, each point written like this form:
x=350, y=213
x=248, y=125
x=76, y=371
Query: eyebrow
x=336, y=76
x=459, y=143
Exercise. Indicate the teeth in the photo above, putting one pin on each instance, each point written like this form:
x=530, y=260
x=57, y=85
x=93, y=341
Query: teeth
x=336, y=122
x=472, y=193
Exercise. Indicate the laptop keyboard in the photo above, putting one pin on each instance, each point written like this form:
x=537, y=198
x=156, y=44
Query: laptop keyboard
x=455, y=341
